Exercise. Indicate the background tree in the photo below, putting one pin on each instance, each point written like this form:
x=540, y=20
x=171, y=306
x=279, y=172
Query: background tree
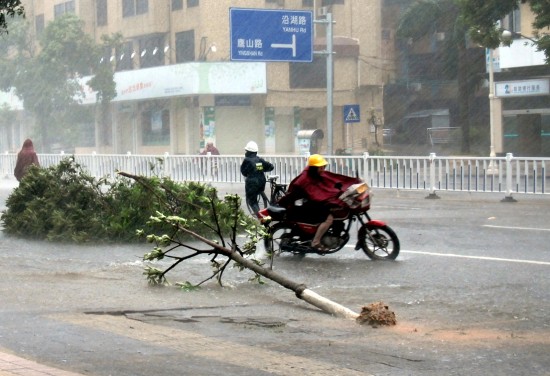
x=49, y=82
x=9, y=8
x=422, y=20
x=482, y=21
x=103, y=83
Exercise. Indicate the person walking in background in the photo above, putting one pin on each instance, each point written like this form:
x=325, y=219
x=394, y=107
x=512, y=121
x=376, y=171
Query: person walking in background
x=253, y=169
x=26, y=157
x=210, y=148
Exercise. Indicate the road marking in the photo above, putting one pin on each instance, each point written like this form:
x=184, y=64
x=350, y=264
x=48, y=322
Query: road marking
x=191, y=343
x=479, y=257
x=518, y=228
x=469, y=257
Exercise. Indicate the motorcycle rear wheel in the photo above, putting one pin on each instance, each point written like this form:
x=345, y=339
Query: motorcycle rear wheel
x=379, y=243
x=280, y=236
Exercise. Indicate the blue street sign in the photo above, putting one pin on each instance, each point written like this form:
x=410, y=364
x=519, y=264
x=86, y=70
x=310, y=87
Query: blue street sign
x=352, y=113
x=271, y=35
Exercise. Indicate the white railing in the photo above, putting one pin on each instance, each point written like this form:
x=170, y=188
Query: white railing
x=508, y=174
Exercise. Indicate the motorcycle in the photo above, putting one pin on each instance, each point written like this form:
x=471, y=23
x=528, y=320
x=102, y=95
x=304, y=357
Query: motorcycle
x=377, y=240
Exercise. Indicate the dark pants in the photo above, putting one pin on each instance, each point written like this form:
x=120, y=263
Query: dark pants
x=309, y=212
x=252, y=201
x=253, y=187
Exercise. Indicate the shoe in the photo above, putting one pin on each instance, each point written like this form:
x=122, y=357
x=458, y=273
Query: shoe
x=320, y=249
x=263, y=219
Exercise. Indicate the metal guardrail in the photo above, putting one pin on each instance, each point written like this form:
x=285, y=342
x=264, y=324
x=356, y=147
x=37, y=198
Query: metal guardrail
x=509, y=175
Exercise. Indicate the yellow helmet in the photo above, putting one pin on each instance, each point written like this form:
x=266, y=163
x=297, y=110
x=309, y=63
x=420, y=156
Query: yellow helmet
x=316, y=160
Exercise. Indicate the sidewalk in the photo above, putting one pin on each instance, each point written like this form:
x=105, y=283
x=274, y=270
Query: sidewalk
x=11, y=365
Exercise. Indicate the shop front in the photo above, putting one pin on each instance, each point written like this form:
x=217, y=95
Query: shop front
x=525, y=116
x=176, y=109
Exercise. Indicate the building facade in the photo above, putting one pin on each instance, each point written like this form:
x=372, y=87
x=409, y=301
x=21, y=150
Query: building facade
x=521, y=109
x=424, y=95
x=178, y=89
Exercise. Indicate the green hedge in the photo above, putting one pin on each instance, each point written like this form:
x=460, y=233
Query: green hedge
x=65, y=203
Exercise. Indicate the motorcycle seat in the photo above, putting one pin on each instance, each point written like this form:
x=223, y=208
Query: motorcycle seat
x=276, y=210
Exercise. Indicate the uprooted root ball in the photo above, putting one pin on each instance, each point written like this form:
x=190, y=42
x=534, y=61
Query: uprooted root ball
x=376, y=314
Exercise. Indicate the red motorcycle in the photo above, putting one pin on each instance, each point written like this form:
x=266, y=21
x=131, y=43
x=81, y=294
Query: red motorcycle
x=374, y=237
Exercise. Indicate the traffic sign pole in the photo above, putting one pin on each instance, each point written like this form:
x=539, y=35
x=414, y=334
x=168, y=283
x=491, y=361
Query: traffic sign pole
x=329, y=53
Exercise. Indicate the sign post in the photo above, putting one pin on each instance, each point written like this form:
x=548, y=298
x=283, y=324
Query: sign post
x=352, y=114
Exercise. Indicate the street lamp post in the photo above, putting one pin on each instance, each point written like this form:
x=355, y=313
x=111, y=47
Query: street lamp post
x=491, y=101
x=491, y=168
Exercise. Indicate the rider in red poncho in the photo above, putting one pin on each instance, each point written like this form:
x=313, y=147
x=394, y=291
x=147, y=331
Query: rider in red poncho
x=320, y=190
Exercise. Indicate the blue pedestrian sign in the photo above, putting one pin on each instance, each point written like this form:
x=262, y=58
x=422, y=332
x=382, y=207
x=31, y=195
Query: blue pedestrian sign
x=271, y=35
x=352, y=113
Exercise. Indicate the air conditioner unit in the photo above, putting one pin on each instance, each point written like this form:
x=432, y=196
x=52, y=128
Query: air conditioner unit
x=322, y=11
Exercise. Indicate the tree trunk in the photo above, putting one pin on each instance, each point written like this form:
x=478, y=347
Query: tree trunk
x=301, y=290
x=463, y=98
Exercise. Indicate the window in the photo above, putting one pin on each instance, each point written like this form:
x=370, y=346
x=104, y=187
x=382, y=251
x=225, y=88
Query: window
x=307, y=3
x=142, y=6
x=128, y=8
x=185, y=46
x=512, y=21
x=276, y=2
x=124, y=57
x=134, y=7
x=106, y=55
x=151, y=51
x=192, y=3
x=331, y=2
x=155, y=126
x=39, y=24
x=177, y=4
x=63, y=8
x=101, y=12
x=309, y=75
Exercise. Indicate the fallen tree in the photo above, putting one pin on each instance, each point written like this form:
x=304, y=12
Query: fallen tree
x=243, y=255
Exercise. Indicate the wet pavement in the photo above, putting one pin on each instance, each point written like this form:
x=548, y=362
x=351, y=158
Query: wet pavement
x=471, y=291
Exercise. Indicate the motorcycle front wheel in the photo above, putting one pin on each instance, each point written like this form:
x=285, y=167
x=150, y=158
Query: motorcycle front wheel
x=379, y=243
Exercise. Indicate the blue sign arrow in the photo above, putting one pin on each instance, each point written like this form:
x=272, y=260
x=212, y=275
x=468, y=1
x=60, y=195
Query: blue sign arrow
x=271, y=35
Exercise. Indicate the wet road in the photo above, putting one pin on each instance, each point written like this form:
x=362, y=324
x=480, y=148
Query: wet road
x=471, y=290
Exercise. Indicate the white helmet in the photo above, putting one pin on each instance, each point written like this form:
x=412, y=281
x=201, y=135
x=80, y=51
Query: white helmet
x=251, y=146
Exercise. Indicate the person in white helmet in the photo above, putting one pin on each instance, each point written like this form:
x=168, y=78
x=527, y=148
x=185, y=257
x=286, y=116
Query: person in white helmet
x=253, y=169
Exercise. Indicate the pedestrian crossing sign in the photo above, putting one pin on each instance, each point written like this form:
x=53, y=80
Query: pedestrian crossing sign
x=352, y=113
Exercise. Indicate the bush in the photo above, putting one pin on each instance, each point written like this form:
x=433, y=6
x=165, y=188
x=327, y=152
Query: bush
x=65, y=203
